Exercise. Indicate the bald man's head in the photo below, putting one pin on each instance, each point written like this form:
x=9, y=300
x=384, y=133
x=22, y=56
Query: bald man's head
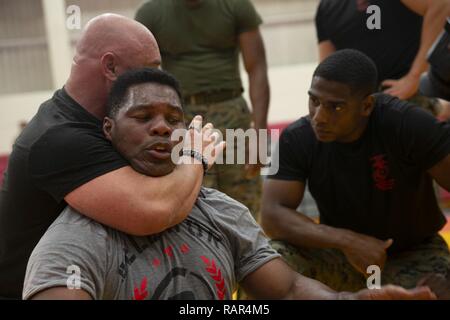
x=119, y=43
x=109, y=45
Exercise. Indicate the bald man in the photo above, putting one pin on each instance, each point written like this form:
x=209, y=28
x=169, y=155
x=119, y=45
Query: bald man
x=62, y=157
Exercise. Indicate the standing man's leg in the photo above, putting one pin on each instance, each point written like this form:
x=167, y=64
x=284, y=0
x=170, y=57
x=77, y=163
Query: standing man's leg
x=230, y=178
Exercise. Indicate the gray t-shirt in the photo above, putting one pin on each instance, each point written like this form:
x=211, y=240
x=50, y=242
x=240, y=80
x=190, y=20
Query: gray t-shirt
x=201, y=258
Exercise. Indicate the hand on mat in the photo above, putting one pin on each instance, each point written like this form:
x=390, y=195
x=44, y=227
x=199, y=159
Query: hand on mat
x=391, y=292
x=438, y=283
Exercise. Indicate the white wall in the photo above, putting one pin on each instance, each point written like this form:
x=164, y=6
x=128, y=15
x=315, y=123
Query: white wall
x=289, y=86
x=288, y=32
x=13, y=110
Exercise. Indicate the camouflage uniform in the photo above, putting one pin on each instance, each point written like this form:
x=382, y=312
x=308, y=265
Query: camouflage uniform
x=405, y=269
x=229, y=178
x=431, y=105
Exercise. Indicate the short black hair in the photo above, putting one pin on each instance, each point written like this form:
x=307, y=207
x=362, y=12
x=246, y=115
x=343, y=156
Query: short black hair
x=352, y=68
x=138, y=76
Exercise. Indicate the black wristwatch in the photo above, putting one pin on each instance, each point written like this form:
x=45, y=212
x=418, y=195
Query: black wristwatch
x=197, y=155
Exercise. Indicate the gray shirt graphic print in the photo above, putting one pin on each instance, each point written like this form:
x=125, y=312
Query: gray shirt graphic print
x=201, y=258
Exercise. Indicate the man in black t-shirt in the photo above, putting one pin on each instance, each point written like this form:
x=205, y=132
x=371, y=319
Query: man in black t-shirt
x=390, y=32
x=369, y=161
x=62, y=156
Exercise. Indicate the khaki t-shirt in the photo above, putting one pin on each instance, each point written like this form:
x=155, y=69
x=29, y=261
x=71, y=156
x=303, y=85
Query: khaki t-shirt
x=200, y=45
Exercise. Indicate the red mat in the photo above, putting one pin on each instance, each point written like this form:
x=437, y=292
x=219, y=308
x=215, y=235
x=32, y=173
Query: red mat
x=3, y=164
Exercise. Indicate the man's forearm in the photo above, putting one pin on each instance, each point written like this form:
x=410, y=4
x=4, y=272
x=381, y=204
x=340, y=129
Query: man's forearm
x=294, y=227
x=433, y=24
x=259, y=96
x=309, y=289
x=180, y=190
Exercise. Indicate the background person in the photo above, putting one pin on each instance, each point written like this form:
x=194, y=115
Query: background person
x=369, y=161
x=200, y=42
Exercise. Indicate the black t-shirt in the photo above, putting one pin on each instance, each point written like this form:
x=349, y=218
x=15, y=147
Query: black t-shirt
x=61, y=148
x=377, y=185
x=392, y=48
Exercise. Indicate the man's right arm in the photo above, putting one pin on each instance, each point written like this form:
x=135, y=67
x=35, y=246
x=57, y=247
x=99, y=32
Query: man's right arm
x=136, y=204
x=276, y=280
x=326, y=48
x=281, y=221
x=140, y=205
x=322, y=22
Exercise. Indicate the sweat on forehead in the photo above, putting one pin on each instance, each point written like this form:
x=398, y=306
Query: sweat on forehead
x=148, y=94
x=120, y=89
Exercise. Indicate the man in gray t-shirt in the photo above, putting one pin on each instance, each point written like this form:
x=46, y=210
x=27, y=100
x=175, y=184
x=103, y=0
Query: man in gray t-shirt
x=202, y=257
x=218, y=245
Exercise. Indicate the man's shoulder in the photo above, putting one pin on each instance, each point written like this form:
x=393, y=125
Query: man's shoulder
x=217, y=197
x=149, y=9
x=391, y=108
x=222, y=208
x=300, y=129
x=56, y=122
x=64, y=137
x=156, y=14
x=71, y=220
x=303, y=123
x=331, y=6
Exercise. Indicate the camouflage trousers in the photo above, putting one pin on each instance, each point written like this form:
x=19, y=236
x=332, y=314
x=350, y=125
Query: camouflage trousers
x=229, y=178
x=431, y=105
x=331, y=267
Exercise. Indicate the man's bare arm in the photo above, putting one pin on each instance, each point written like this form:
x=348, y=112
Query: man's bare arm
x=281, y=221
x=61, y=293
x=325, y=49
x=254, y=58
x=435, y=13
x=139, y=205
x=136, y=204
x=276, y=280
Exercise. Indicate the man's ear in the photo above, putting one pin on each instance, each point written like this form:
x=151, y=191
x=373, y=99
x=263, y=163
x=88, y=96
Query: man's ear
x=108, y=126
x=109, y=66
x=368, y=105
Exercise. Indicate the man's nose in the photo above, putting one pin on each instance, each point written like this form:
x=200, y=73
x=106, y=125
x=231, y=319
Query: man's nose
x=160, y=127
x=320, y=115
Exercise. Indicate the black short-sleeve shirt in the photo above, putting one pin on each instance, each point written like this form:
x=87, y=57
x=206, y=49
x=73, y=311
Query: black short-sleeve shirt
x=378, y=185
x=393, y=47
x=61, y=148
